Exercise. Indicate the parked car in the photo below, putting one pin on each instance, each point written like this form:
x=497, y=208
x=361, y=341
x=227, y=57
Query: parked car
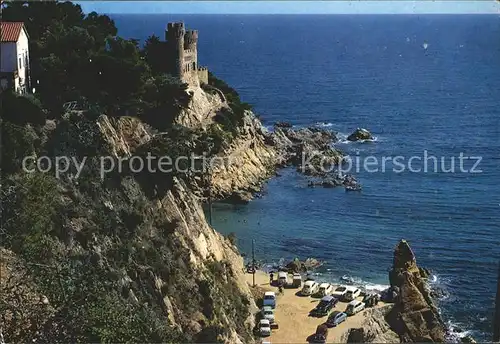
x=339, y=292
x=371, y=300
x=354, y=307
x=324, y=306
x=267, y=312
x=351, y=294
x=265, y=328
x=336, y=318
x=297, y=280
x=325, y=289
x=321, y=334
x=310, y=288
x=269, y=299
x=282, y=278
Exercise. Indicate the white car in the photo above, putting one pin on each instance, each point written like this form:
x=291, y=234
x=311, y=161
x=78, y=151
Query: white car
x=265, y=328
x=339, y=292
x=268, y=313
x=325, y=289
x=310, y=288
x=351, y=293
x=354, y=307
x=282, y=278
x=269, y=299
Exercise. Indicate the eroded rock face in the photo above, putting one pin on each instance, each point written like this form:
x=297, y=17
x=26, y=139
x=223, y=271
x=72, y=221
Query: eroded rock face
x=414, y=316
x=201, y=109
x=374, y=328
x=123, y=134
x=303, y=266
x=359, y=135
x=309, y=150
x=249, y=162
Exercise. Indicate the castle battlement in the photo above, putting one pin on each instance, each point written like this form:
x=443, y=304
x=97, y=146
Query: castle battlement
x=175, y=26
x=183, y=44
x=176, y=30
x=190, y=39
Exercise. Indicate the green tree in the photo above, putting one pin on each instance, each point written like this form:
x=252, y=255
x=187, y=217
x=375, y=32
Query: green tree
x=157, y=55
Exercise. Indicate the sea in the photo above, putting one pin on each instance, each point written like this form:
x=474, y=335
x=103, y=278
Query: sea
x=427, y=87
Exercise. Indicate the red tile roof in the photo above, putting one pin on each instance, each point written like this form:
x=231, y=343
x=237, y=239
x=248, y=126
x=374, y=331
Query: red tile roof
x=10, y=31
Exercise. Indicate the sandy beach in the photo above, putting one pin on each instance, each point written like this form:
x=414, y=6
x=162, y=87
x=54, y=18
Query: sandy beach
x=292, y=315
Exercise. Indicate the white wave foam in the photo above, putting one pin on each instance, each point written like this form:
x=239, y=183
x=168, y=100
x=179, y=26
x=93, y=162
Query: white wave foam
x=343, y=139
x=376, y=287
x=456, y=331
x=324, y=124
x=364, y=285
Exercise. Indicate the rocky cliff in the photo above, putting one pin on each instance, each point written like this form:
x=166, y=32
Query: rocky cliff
x=120, y=263
x=202, y=108
x=250, y=162
x=414, y=315
x=374, y=328
x=213, y=262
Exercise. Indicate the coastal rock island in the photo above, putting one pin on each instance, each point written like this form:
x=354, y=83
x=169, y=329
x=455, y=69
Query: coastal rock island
x=415, y=317
x=360, y=134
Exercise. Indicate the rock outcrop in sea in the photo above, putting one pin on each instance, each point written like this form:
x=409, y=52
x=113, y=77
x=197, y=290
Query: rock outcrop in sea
x=303, y=266
x=414, y=316
x=411, y=316
x=360, y=134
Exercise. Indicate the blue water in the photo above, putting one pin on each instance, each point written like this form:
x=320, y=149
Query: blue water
x=419, y=83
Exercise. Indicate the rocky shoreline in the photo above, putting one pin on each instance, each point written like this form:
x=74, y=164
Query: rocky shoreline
x=309, y=150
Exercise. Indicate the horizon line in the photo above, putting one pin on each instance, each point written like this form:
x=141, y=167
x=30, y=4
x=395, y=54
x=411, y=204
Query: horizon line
x=294, y=7
x=306, y=14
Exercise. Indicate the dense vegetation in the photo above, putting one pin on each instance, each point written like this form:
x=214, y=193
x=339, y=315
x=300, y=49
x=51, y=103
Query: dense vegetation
x=94, y=247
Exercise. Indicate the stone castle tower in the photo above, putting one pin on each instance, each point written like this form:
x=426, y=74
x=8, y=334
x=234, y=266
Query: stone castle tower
x=183, y=46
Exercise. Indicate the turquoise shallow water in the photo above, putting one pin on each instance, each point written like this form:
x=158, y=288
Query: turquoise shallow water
x=419, y=83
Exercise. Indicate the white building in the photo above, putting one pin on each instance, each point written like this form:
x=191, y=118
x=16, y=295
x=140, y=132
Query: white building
x=15, y=58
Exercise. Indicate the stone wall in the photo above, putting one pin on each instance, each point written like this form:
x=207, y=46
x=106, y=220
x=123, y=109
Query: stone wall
x=203, y=75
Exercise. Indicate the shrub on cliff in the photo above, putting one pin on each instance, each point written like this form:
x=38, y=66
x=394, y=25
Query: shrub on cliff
x=233, y=98
x=29, y=210
x=21, y=110
x=164, y=97
x=17, y=142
